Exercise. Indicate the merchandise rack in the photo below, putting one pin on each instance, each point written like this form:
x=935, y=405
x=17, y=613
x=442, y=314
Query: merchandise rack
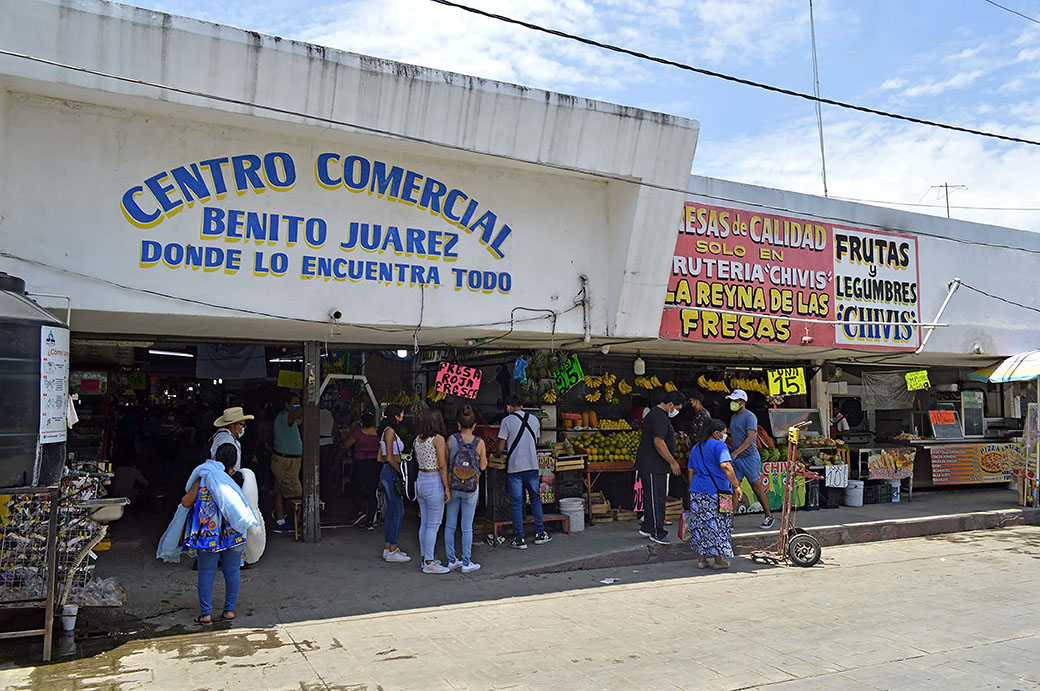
x=21, y=584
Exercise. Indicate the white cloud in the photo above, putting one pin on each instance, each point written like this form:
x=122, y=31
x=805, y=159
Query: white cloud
x=934, y=88
x=869, y=158
x=966, y=53
x=893, y=83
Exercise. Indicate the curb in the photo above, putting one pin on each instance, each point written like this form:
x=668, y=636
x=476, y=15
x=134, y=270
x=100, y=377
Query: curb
x=829, y=536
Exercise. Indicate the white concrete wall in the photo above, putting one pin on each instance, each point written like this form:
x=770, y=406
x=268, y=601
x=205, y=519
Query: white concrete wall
x=997, y=328
x=76, y=142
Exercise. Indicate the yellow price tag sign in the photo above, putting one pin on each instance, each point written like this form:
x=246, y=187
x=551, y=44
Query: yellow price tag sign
x=288, y=379
x=789, y=381
x=915, y=381
x=792, y=435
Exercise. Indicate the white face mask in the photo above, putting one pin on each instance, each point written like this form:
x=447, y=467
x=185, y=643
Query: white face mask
x=673, y=412
x=724, y=436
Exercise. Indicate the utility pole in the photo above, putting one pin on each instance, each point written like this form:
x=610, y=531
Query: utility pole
x=944, y=190
x=816, y=86
x=311, y=483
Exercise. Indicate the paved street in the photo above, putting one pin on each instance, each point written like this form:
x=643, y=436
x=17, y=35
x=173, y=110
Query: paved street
x=954, y=611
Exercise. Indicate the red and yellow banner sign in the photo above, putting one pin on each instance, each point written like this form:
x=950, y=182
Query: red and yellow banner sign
x=747, y=277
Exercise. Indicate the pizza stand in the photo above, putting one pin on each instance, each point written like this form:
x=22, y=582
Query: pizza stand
x=1024, y=367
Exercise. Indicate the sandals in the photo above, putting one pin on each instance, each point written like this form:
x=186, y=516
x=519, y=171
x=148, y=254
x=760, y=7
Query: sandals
x=225, y=616
x=720, y=565
x=702, y=564
x=199, y=620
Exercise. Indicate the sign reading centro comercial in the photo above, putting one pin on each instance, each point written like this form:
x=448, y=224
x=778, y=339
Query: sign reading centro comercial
x=233, y=237
x=747, y=277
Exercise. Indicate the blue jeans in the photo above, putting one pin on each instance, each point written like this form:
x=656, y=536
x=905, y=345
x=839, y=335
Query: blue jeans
x=230, y=562
x=466, y=502
x=429, y=490
x=518, y=482
x=394, y=505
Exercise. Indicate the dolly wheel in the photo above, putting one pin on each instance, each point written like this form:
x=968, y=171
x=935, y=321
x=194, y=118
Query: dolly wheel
x=804, y=550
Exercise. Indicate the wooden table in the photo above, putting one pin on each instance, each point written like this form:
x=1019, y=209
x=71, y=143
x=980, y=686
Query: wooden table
x=547, y=518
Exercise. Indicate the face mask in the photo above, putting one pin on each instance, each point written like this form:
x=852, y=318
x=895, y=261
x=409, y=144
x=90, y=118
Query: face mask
x=673, y=412
x=734, y=406
x=724, y=436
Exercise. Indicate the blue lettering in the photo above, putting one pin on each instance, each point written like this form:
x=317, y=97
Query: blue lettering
x=191, y=184
x=321, y=171
x=161, y=193
x=356, y=173
x=246, y=169
x=133, y=212
x=410, y=187
x=283, y=176
x=151, y=252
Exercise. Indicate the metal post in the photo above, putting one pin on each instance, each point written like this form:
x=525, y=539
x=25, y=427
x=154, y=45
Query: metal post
x=311, y=482
x=52, y=574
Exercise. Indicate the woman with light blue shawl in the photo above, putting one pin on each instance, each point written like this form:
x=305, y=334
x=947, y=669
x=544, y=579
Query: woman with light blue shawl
x=213, y=519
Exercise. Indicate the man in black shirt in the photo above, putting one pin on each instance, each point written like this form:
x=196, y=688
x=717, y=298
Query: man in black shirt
x=654, y=460
x=701, y=417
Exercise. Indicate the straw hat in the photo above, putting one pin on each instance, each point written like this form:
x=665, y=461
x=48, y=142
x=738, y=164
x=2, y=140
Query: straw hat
x=231, y=416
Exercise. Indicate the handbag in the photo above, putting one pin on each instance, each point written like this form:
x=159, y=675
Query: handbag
x=725, y=499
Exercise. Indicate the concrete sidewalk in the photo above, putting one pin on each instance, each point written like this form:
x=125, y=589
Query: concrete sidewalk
x=344, y=575
x=944, y=612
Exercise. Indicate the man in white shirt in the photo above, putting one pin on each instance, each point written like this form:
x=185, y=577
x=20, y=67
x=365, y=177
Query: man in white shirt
x=328, y=443
x=518, y=438
x=232, y=425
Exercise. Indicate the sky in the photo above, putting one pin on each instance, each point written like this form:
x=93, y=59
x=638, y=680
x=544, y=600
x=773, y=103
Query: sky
x=964, y=62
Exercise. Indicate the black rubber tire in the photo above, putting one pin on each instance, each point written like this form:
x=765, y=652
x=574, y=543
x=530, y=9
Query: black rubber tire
x=804, y=550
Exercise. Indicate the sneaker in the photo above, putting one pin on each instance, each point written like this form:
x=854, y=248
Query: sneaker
x=282, y=527
x=435, y=567
x=644, y=533
x=766, y=524
x=470, y=567
x=369, y=527
x=663, y=540
x=542, y=539
x=518, y=543
x=360, y=520
x=455, y=564
x=395, y=557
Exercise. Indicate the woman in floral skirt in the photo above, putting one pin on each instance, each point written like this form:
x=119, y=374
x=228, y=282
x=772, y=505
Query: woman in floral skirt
x=712, y=470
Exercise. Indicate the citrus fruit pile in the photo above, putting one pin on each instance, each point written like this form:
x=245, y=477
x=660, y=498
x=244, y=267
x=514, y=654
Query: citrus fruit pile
x=606, y=448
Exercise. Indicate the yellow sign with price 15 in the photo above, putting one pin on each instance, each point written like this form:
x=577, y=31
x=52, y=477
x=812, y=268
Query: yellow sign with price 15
x=915, y=381
x=789, y=381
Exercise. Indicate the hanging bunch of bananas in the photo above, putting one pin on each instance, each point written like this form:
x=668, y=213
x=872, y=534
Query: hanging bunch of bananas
x=749, y=385
x=712, y=385
x=435, y=395
x=550, y=396
x=670, y=386
x=594, y=396
x=624, y=388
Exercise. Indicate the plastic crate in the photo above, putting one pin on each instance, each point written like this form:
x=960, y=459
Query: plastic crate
x=871, y=494
x=830, y=497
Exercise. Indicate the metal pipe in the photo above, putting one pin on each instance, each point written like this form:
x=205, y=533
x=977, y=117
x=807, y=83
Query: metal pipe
x=950, y=290
x=66, y=298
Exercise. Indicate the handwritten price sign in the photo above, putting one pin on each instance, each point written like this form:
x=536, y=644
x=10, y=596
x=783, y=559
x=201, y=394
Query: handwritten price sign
x=569, y=375
x=789, y=381
x=287, y=379
x=915, y=381
x=458, y=380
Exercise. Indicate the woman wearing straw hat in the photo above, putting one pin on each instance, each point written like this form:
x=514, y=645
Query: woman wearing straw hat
x=231, y=426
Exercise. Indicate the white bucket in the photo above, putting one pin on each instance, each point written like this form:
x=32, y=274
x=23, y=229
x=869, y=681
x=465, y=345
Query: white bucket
x=576, y=516
x=896, y=489
x=68, y=617
x=854, y=493
x=572, y=503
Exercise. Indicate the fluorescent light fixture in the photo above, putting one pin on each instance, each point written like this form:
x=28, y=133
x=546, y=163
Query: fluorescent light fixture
x=402, y=353
x=286, y=359
x=171, y=353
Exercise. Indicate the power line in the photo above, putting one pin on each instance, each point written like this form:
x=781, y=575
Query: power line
x=1008, y=9
x=506, y=157
x=939, y=206
x=997, y=297
x=731, y=78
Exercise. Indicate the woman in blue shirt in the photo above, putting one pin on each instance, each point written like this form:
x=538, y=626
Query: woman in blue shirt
x=712, y=474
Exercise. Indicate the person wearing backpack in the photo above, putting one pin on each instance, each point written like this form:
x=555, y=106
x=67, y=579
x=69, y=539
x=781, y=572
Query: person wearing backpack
x=518, y=437
x=467, y=458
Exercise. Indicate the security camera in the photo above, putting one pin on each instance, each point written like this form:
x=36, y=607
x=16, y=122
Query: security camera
x=335, y=315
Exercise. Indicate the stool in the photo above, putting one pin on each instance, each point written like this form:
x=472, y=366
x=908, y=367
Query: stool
x=297, y=512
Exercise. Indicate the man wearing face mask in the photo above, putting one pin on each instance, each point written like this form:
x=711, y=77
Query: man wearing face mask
x=655, y=458
x=747, y=463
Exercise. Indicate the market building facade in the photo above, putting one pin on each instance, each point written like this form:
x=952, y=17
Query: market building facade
x=209, y=199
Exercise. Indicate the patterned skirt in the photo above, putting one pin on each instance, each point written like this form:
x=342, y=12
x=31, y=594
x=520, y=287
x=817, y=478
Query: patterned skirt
x=710, y=529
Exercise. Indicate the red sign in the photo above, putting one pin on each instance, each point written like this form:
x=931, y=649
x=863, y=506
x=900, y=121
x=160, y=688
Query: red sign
x=458, y=380
x=748, y=277
x=942, y=417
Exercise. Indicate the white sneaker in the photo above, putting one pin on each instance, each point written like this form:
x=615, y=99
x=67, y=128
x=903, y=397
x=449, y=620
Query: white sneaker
x=395, y=557
x=454, y=564
x=470, y=567
x=435, y=567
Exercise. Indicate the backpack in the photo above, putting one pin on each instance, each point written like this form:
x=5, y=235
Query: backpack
x=465, y=466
